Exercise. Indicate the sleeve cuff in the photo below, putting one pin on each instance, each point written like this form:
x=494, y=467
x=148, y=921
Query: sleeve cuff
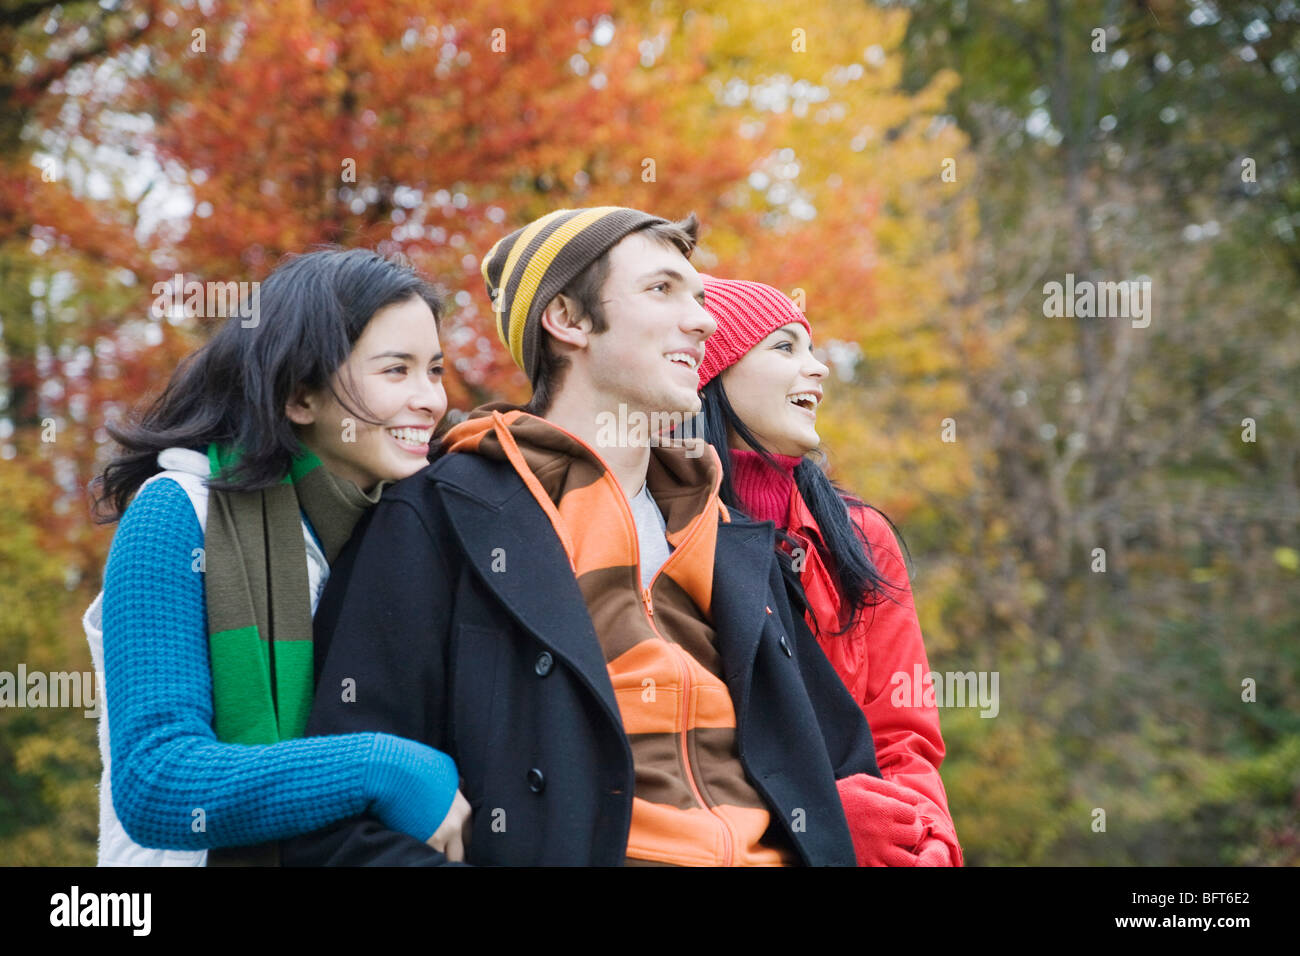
x=410, y=785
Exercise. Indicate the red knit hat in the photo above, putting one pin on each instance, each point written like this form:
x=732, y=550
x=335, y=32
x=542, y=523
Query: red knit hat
x=746, y=312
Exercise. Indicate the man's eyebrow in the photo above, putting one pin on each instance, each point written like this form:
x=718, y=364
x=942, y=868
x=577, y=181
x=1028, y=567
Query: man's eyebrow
x=670, y=273
x=674, y=275
x=404, y=356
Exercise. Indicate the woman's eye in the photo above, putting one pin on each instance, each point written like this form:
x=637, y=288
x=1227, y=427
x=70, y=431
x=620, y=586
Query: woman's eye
x=436, y=370
x=660, y=285
x=401, y=369
x=788, y=346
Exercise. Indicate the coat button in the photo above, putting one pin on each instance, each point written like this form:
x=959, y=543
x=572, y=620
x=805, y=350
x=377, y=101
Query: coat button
x=536, y=782
x=785, y=646
x=544, y=664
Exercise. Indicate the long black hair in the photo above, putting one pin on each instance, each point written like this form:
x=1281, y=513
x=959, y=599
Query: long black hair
x=847, y=552
x=234, y=389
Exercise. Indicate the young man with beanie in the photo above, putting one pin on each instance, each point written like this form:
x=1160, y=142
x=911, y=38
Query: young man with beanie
x=606, y=651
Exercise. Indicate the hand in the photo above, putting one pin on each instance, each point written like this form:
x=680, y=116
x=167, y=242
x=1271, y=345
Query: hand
x=933, y=852
x=882, y=820
x=452, y=836
x=930, y=850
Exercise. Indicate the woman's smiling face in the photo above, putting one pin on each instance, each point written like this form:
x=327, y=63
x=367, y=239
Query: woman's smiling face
x=395, y=373
x=775, y=390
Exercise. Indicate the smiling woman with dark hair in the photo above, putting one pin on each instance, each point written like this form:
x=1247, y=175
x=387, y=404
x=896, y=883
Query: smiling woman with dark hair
x=235, y=491
x=760, y=389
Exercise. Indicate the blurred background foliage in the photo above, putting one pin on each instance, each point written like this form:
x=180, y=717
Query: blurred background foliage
x=1115, y=141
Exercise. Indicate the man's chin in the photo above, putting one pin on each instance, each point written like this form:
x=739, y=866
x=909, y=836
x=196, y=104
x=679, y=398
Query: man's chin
x=685, y=405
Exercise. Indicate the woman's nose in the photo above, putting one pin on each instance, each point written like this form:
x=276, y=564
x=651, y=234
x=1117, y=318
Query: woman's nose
x=433, y=396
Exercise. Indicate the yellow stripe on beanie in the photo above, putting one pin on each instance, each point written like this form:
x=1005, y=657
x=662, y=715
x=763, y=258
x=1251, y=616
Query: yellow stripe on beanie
x=512, y=341
x=535, y=268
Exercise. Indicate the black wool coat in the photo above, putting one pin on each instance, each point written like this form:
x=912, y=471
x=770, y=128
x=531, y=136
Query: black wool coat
x=456, y=612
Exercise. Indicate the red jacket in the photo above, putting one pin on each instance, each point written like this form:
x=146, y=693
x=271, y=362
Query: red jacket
x=885, y=640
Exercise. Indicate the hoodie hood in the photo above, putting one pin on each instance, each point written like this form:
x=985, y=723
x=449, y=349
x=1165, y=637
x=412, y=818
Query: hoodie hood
x=580, y=495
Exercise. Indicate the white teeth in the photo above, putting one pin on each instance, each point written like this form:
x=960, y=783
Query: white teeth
x=809, y=397
x=413, y=436
x=685, y=357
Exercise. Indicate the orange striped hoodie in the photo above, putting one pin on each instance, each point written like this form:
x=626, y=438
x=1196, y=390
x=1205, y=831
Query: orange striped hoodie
x=692, y=804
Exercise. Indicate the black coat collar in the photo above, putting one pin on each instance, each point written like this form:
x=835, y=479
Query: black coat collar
x=490, y=508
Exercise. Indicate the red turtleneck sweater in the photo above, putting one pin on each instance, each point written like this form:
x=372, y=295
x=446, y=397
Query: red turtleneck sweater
x=764, y=491
x=884, y=641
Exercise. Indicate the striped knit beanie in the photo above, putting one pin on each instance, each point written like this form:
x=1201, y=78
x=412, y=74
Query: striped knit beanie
x=746, y=312
x=532, y=265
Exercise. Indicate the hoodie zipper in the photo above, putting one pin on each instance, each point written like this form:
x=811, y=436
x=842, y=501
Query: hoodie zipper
x=647, y=603
x=684, y=674
x=683, y=669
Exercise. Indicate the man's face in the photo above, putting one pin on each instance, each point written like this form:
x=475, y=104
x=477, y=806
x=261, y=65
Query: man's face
x=649, y=355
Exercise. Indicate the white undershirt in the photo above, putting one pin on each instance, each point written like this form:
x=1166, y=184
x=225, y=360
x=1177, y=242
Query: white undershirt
x=651, y=534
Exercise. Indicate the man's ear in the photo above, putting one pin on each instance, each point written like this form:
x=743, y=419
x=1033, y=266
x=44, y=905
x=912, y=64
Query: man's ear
x=300, y=409
x=566, y=322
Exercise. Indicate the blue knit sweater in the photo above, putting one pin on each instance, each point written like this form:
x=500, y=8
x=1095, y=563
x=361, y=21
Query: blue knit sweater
x=166, y=760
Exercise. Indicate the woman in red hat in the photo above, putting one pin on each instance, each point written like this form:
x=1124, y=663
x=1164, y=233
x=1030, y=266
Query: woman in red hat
x=760, y=387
